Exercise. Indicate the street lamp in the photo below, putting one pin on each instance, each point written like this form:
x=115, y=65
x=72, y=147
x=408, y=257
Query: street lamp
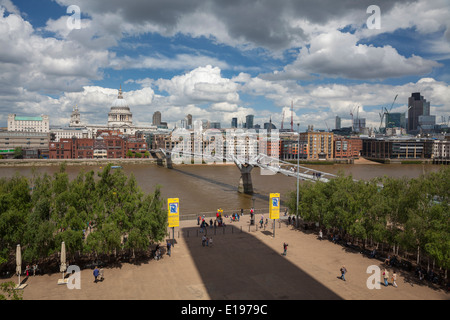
x=298, y=167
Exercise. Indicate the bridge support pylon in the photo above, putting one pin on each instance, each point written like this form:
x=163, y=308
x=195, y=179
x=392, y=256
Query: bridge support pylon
x=245, y=181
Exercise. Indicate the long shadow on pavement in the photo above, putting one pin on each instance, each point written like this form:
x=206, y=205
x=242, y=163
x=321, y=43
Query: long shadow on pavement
x=239, y=266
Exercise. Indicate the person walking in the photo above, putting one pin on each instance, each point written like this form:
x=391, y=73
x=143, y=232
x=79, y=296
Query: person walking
x=96, y=272
x=394, y=279
x=285, y=245
x=203, y=240
x=386, y=277
x=169, y=245
x=343, y=272
x=320, y=234
x=210, y=242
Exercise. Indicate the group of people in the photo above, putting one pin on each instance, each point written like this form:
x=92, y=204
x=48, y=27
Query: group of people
x=206, y=241
x=98, y=275
x=28, y=269
x=343, y=271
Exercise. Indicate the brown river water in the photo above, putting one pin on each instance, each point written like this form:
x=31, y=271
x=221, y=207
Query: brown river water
x=205, y=188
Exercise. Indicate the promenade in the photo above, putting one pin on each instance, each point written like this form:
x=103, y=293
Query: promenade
x=240, y=265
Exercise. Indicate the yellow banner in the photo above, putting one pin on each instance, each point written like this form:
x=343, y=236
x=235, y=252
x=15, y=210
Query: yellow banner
x=274, y=208
x=173, y=208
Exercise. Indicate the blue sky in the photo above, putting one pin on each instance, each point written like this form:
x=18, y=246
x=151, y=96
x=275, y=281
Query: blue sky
x=217, y=60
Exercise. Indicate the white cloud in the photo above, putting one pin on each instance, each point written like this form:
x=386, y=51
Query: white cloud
x=337, y=54
x=201, y=85
x=30, y=61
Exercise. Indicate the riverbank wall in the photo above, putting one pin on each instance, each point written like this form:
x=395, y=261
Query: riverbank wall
x=71, y=162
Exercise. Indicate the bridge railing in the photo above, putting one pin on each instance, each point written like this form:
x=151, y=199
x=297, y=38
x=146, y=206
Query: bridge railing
x=227, y=212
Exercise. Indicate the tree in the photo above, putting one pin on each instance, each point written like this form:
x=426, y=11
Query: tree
x=8, y=288
x=18, y=153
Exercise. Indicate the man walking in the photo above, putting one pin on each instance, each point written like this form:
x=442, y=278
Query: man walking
x=386, y=277
x=169, y=245
x=394, y=279
x=343, y=272
x=285, y=245
x=96, y=272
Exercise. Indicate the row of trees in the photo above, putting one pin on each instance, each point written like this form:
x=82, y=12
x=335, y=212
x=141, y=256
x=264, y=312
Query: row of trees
x=101, y=215
x=413, y=214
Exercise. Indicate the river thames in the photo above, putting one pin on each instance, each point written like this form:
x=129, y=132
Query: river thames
x=205, y=188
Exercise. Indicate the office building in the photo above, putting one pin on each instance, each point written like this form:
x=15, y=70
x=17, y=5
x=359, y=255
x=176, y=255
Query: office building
x=249, y=121
x=28, y=124
x=234, y=123
x=417, y=106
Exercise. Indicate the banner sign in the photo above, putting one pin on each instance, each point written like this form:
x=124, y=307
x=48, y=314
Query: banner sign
x=274, y=209
x=173, y=205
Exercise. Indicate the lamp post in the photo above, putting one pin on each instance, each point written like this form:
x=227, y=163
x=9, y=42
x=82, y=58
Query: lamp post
x=298, y=168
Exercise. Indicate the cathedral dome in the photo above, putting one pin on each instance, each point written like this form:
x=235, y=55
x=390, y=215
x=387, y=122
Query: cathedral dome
x=119, y=114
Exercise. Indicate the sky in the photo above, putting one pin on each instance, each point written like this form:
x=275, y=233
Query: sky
x=221, y=59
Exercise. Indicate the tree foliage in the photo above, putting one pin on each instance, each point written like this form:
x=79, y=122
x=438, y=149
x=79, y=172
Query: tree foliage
x=412, y=213
x=91, y=215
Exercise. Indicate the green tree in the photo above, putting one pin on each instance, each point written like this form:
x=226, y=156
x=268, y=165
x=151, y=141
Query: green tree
x=9, y=292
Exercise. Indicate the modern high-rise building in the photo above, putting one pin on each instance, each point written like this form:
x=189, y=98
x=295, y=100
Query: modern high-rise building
x=359, y=124
x=417, y=106
x=337, y=123
x=395, y=120
x=189, y=120
x=214, y=125
x=249, y=121
x=234, y=123
x=157, y=118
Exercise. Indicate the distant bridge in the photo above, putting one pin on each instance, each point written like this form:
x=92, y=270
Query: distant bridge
x=268, y=164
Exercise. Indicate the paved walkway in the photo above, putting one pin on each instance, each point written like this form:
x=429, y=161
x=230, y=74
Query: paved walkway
x=239, y=265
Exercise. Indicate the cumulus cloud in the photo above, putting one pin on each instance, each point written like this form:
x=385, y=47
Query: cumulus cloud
x=338, y=54
x=35, y=63
x=201, y=85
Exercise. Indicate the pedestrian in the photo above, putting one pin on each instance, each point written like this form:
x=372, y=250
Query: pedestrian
x=386, y=277
x=343, y=272
x=169, y=245
x=210, y=242
x=211, y=223
x=96, y=272
x=207, y=241
x=242, y=212
x=394, y=279
x=289, y=220
x=198, y=220
x=28, y=270
x=320, y=234
x=203, y=240
x=34, y=269
x=285, y=245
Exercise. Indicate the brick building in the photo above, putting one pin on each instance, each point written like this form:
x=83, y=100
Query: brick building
x=347, y=148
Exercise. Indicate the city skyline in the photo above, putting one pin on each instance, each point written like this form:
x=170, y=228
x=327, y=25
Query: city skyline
x=324, y=60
